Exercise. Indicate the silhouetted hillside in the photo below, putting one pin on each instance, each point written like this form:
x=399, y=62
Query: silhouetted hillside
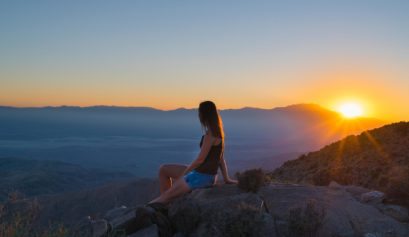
x=377, y=159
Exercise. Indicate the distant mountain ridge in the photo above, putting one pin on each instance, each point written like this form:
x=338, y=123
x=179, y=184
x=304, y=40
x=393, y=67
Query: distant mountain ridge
x=295, y=109
x=292, y=107
x=308, y=108
x=377, y=159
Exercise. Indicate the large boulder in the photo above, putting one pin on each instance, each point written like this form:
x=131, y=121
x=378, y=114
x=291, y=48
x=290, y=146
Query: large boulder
x=221, y=211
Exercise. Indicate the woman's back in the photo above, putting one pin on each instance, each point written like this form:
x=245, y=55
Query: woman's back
x=211, y=162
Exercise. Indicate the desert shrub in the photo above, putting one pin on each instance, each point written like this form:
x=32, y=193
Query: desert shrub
x=382, y=180
x=342, y=175
x=398, y=188
x=402, y=128
x=245, y=221
x=302, y=157
x=321, y=178
x=58, y=230
x=21, y=224
x=312, y=166
x=251, y=180
x=14, y=196
x=306, y=220
x=268, y=179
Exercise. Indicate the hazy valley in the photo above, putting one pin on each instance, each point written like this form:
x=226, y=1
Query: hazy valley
x=138, y=140
x=73, y=162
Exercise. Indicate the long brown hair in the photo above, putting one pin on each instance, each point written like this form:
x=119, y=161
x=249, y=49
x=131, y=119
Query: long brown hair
x=210, y=119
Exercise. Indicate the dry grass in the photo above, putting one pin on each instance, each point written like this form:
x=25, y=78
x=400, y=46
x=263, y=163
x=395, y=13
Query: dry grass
x=22, y=224
x=306, y=220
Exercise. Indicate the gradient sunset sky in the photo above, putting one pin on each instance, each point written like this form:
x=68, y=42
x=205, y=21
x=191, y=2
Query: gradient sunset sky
x=170, y=54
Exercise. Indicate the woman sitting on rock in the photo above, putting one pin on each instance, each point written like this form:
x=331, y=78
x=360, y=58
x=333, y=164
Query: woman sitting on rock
x=176, y=179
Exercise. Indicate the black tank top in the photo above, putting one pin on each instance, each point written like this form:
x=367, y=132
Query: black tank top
x=211, y=162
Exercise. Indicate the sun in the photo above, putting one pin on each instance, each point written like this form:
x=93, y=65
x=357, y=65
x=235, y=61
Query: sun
x=351, y=110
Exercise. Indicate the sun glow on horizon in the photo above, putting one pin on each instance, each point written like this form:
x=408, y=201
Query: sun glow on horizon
x=351, y=110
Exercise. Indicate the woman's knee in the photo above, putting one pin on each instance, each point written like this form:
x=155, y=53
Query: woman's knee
x=163, y=169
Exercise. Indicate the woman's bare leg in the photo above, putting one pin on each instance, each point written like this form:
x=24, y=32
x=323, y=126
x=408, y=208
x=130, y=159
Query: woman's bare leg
x=167, y=172
x=178, y=188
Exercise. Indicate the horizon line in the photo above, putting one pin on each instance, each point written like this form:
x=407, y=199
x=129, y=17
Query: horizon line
x=155, y=108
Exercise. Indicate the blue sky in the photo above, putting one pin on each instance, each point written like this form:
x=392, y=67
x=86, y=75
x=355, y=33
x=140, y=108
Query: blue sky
x=170, y=54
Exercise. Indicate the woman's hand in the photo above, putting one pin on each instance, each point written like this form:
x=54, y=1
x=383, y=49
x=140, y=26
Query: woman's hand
x=230, y=181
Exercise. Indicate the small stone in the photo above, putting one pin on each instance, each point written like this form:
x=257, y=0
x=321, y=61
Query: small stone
x=373, y=197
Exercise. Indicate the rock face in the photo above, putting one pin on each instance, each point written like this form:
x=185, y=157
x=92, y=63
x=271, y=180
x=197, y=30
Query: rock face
x=277, y=210
x=221, y=212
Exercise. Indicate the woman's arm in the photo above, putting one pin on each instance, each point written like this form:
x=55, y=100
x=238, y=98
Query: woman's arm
x=206, y=146
x=225, y=174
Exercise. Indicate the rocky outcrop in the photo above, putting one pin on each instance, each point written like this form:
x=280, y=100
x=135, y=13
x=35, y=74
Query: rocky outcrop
x=221, y=212
x=276, y=210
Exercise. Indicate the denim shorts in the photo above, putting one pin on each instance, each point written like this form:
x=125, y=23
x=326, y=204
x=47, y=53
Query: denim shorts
x=196, y=180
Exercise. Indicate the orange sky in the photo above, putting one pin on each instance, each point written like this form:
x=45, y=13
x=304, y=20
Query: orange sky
x=329, y=88
x=169, y=55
